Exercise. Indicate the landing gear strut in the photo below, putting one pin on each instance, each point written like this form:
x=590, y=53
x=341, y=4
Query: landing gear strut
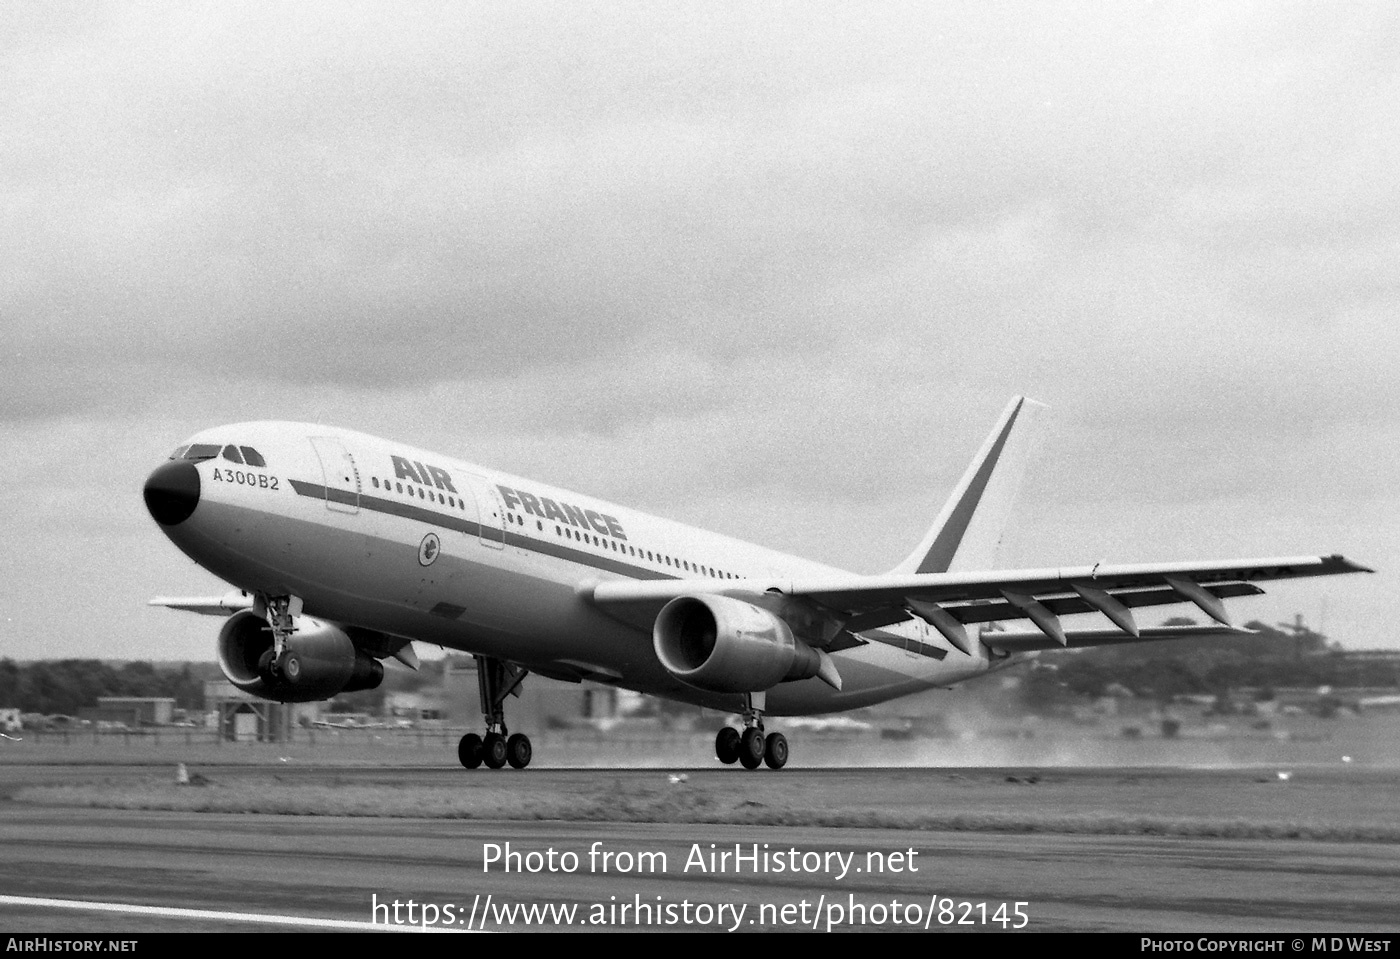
x=279, y=661
x=495, y=681
x=752, y=748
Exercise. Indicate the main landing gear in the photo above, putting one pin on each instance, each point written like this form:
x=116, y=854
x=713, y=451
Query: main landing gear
x=751, y=747
x=495, y=681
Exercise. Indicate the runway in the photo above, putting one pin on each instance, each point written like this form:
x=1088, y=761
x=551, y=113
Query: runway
x=639, y=875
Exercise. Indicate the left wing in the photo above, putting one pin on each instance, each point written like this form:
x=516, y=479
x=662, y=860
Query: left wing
x=207, y=605
x=951, y=601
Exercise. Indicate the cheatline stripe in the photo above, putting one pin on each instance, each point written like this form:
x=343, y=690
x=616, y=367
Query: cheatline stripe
x=442, y=520
x=173, y=912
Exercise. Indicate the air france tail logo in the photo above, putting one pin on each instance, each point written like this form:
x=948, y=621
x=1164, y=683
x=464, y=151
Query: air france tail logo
x=566, y=513
x=427, y=475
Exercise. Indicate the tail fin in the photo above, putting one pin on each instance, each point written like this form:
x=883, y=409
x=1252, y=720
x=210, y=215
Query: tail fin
x=967, y=534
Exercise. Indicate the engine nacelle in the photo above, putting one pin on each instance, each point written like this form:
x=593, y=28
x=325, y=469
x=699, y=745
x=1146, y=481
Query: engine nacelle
x=320, y=662
x=724, y=645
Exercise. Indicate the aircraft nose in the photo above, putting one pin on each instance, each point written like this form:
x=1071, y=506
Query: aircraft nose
x=172, y=492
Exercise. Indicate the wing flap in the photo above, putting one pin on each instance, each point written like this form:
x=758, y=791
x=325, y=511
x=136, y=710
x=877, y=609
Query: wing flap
x=1068, y=606
x=1026, y=641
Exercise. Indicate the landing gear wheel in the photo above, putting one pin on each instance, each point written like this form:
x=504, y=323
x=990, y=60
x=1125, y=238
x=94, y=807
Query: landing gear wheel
x=469, y=750
x=727, y=746
x=265, y=670
x=751, y=748
x=496, y=680
x=493, y=750
x=775, y=751
x=290, y=667
x=518, y=750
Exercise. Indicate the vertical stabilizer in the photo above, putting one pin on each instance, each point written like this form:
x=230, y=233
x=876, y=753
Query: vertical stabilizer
x=967, y=534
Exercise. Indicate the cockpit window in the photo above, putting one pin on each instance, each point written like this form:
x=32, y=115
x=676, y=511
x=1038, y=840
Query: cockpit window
x=232, y=455
x=179, y=452
x=202, y=451
x=252, y=457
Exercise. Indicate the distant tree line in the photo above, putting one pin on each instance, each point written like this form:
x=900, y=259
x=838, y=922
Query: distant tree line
x=1292, y=656
x=67, y=685
x=1288, y=657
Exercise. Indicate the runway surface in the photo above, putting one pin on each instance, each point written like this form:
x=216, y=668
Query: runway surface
x=338, y=868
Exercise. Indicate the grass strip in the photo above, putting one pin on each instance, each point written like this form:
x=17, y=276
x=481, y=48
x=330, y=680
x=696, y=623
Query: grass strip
x=675, y=803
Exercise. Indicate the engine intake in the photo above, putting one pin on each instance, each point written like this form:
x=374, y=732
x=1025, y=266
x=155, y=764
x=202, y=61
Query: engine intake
x=321, y=661
x=724, y=645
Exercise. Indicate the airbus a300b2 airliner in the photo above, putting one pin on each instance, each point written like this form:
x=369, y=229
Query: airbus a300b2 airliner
x=345, y=549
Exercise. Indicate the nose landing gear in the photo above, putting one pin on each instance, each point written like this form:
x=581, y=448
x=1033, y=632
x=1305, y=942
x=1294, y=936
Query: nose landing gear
x=279, y=662
x=495, y=681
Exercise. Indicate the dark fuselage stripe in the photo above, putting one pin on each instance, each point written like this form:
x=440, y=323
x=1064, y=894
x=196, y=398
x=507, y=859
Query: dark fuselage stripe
x=444, y=520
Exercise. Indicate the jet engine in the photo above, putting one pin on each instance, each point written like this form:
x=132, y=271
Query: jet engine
x=724, y=645
x=320, y=660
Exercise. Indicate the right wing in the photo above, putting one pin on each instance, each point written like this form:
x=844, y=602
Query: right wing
x=951, y=601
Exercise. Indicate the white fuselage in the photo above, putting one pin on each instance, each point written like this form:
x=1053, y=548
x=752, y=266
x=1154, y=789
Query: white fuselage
x=379, y=535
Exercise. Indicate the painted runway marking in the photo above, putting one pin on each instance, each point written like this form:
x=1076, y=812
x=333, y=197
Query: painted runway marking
x=175, y=912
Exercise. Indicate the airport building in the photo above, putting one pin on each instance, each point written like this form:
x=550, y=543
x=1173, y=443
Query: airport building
x=131, y=711
x=242, y=717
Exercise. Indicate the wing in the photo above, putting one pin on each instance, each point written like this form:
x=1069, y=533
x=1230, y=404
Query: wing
x=951, y=601
x=207, y=605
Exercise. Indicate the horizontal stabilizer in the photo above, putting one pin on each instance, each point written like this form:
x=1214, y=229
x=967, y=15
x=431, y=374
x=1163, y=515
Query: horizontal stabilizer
x=1025, y=641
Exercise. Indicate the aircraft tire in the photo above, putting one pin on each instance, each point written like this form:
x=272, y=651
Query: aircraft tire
x=493, y=750
x=469, y=750
x=775, y=751
x=265, y=670
x=519, y=750
x=727, y=746
x=290, y=667
x=751, y=749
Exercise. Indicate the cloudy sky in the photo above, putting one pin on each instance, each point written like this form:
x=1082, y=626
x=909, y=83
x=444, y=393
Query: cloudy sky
x=772, y=269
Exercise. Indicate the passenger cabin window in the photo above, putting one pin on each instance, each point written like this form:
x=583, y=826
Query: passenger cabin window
x=232, y=455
